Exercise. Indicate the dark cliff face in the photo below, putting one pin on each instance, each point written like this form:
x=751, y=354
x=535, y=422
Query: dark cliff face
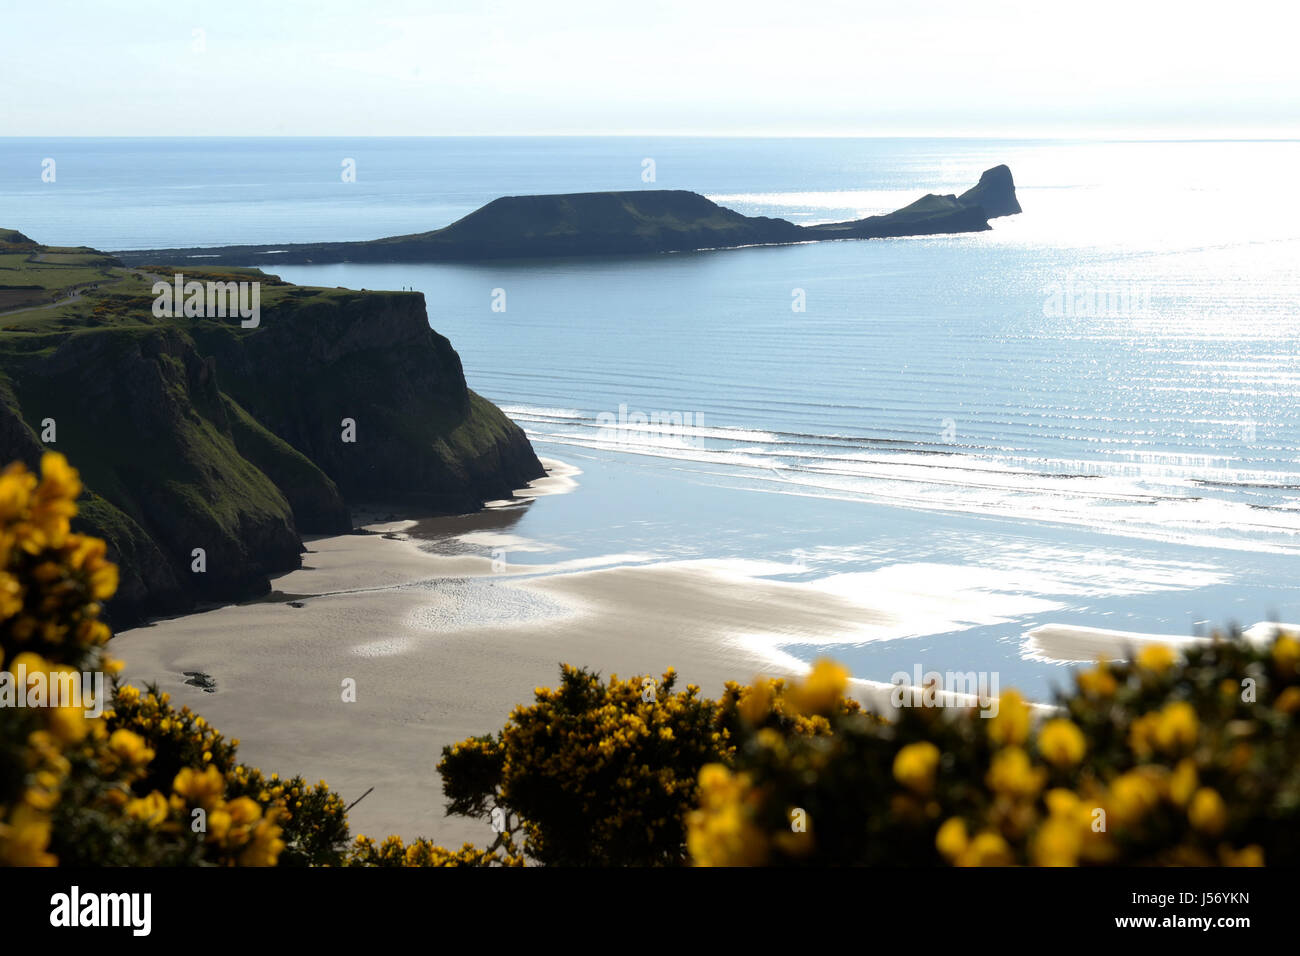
x=199, y=434
x=419, y=437
x=995, y=193
x=617, y=223
x=139, y=413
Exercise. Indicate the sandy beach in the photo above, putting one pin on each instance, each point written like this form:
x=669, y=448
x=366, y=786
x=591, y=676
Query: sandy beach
x=443, y=637
x=440, y=647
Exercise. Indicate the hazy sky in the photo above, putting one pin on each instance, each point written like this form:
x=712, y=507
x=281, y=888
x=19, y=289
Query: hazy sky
x=393, y=67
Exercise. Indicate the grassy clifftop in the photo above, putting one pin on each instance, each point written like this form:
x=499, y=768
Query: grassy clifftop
x=197, y=433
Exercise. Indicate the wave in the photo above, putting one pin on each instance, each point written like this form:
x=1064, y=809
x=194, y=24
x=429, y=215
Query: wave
x=1165, y=496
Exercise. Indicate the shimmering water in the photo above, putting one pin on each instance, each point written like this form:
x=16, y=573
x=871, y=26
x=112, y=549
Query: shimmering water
x=844, y=407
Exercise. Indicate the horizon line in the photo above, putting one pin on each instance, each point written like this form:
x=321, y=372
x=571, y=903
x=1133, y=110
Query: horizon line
x=1111, y=136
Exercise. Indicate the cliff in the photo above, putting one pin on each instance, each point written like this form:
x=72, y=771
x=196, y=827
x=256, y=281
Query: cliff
x=614, y=223
x=995, y=193
x=199, y=433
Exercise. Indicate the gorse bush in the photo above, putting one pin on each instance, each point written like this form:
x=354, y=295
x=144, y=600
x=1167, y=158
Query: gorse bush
x=94, y=790
x=1165, y=761
x=51, y=584
x=596, y=772
x=604, y=773
x=311, y=820
x=393, y=852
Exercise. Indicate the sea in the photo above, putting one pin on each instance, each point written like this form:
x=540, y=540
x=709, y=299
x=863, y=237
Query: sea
x=1086, y=415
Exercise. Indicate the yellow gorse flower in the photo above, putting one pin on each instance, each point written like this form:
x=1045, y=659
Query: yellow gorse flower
x=915, y=765
x=130, y=748
x=1207, y=812
x=952, y=839
x=1157, y=658
x=199, y=787
x=1057, y=843
x=820, y=691
x=1286, y=655
x=1099, y=682
x=24, y=837
x=1061, y=743
x=1252, y=855
x=722, y=832
x=1011, y=725
x=988, y=848
x=1132, y=795
x=1176, y=728
x=1011, y=773
x=152, y=809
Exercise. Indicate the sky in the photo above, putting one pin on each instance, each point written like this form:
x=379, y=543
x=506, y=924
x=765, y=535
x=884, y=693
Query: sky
x=690, y=67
